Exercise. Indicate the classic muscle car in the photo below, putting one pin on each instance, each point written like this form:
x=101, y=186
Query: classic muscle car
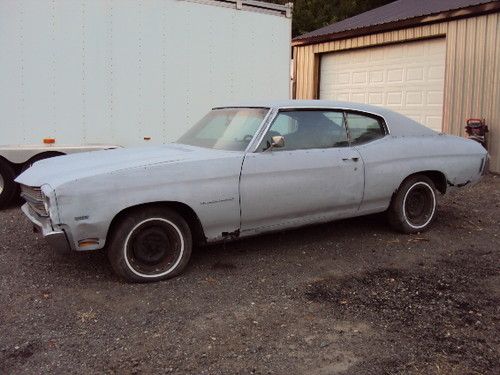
x=244, y=170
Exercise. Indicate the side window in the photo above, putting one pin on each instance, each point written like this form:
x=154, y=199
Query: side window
x=308, y=129
x=363, y=128
x=284, y=125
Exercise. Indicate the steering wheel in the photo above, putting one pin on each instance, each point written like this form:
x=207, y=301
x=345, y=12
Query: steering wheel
x=247, y=138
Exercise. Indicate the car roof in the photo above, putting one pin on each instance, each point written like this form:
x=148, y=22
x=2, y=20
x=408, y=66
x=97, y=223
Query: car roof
x=398, y=124
x=295, y=103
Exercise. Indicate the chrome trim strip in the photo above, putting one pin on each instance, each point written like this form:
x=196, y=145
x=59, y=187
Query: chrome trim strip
x=260, y=131
x=30, y=199
x=34, y=198
x=312, y=107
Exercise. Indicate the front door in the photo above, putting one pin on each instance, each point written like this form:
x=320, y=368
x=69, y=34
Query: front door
x=315, y=177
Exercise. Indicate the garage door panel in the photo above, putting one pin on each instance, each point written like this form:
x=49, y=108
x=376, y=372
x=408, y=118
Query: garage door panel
x=415, y=74
x=344, y=97
x=395, y=75
x=435, y=98
x=435, y=73
x=394, y=99
x=408, y=78
x=414, y=98
x=376, y=98
x=358, y=97
x=344, y=79
x=376, y=76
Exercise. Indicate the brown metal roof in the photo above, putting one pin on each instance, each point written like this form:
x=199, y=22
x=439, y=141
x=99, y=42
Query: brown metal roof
x=401, y=13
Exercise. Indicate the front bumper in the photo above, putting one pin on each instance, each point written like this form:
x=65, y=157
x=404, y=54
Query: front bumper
x=57, y=239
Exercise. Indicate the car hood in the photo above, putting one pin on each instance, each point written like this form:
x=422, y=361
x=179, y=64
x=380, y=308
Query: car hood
x=62, y=169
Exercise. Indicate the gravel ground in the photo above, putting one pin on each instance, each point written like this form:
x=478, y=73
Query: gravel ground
x=350, y=297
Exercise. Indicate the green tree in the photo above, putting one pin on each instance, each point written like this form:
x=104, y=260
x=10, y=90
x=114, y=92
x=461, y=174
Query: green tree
x=309, y=15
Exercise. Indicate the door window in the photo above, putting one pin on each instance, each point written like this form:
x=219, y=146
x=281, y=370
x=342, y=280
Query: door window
x=308, y=129
x=363, y=128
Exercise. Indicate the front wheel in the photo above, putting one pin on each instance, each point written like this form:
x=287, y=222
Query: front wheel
x=150, y=244
x=413, y=208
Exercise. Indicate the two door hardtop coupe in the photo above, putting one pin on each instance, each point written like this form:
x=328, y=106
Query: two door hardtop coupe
x=244, y=170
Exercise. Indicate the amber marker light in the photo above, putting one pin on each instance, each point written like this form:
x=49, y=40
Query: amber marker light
x=88, y=242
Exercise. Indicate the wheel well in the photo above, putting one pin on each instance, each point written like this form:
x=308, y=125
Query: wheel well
x=15, y=167
x=2, y=159
x=182, y=209
x=437, y=177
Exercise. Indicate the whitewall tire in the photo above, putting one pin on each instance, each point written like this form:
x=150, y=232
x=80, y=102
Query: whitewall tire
x=413, y=208
x=150, y=244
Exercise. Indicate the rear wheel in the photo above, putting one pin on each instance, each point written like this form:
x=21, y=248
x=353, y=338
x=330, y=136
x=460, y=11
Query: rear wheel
x=150, y=244
x=413, y=208
x=8, y=188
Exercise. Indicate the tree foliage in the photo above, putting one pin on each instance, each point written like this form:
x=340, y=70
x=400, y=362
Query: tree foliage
x=309, y=15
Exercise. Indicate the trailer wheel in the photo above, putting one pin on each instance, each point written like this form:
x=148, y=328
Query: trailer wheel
x=8, y=188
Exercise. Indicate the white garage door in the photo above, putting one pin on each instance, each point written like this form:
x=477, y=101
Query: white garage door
x=407, y=78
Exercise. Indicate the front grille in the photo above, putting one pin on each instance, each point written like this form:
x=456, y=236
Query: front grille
x=34, y=198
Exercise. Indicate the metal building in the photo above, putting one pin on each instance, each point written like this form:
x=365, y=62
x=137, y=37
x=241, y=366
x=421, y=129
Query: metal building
x=435, y=61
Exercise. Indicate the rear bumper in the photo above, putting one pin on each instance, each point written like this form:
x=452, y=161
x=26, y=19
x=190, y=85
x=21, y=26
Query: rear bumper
x=57, y=239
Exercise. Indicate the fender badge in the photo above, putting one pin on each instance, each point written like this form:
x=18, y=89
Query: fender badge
x=218, y=201
x=80, y=218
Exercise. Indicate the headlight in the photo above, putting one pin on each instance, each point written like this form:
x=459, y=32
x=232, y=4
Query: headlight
x=48, y=199
x=46, y=203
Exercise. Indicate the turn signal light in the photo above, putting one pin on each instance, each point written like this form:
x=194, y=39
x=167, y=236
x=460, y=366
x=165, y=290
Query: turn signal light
x=49, y=141
x=88, y=242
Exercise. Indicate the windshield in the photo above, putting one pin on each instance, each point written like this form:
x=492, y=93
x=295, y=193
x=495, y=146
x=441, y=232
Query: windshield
x=229, y=129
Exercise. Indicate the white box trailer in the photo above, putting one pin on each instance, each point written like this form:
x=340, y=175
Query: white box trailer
x=92, y=74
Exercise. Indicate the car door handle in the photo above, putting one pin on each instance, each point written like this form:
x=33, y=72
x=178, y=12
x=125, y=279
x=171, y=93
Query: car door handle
x=355, y=158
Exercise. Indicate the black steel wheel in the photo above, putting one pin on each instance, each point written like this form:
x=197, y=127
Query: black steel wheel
x=419, y=204
x=150, y=244
x=413, y=208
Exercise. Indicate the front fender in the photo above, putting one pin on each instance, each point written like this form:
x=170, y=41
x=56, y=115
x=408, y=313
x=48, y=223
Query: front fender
x=88, y=206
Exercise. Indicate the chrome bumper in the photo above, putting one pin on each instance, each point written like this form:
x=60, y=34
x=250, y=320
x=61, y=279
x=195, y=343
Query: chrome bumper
x=57, y=239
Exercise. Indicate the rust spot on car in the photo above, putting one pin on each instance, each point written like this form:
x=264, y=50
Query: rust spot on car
x=231, y=235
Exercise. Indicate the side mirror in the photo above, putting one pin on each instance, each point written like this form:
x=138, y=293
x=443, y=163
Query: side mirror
x=278, y=141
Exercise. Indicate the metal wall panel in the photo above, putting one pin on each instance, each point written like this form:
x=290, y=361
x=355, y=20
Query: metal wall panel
x=120, y=71
x=472, y=73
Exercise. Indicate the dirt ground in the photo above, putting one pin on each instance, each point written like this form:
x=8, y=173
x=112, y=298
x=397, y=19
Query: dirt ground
x=349, y=297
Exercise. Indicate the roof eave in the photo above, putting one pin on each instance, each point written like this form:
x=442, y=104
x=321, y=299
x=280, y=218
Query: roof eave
x=402, y=24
